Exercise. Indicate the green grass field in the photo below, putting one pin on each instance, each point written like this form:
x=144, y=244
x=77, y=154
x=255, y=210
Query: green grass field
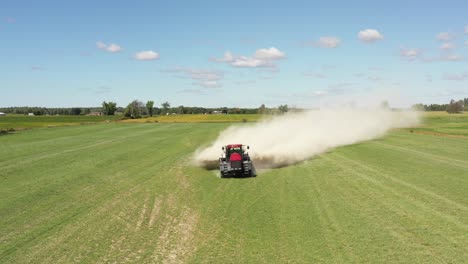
x=443, y=123
x=117, y=192
x=21, y=122
x=199, y=118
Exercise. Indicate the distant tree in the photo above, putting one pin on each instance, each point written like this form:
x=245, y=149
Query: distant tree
x=109, y=108
x=181, y=110
x=262, y=110
x=76, y=111
x=149, y=106
x=133, y=109
x=283, y=109
x=465, y=102
x=455, y=107
x=234, y=110
x=385, y=105
x=165, y=107
x=418, y=107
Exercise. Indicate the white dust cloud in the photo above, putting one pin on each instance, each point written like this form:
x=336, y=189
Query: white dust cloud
x=295, y=137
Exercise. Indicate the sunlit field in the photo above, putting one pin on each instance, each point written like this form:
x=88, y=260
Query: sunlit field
x=117, y=192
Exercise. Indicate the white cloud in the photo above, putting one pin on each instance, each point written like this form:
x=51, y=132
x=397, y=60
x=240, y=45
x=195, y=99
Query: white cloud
x=114, y=48
x=228, y=57
x=201, y=77
x=466, y=29
x=466, y=43
x=319, y=93
x=101, y=45
x=261, y=58
x=452, y=57
x=410, y=54
x=269, y=54
x=445, y=36
x=370, y=35
x=110, y=48
x=147, y=55
x=447, y=46
x=209, y=84
x=250, y=62
x=444, y=57
x=326, y=42
x=329, y=42
x=456, y=77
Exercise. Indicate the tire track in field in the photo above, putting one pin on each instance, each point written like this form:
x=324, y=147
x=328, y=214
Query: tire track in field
x=392, y=190
x=175, y=224
x=74, y=149
x=327, y=217
x=178, y=250
x=216, y=223
x=61, y=138
x=155, y=211
x=73, y=229
x=88, y=169
x=404, y=183
x=432, y=157
x=175, y=242
x=94, y=144
x=141, y=218
x=401, y=233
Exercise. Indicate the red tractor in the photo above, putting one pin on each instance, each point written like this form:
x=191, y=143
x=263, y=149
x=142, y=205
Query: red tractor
x=235, y=161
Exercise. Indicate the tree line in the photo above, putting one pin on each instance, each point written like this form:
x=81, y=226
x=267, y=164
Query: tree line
x=452, y=107
x=137, y=109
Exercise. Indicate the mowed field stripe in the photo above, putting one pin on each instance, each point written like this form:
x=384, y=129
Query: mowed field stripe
x=70, y=230
x=358, y=170
x=432, y=157
x=99, y=195
x=381, y=210
x=77, y=132
x=24, y=160
x=420, y=190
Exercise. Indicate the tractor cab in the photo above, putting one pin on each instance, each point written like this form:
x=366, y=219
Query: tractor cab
x=235, y=152
x=235, y=161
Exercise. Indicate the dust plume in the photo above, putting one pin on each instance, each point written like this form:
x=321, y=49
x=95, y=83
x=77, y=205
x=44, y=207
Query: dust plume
x=295, y=137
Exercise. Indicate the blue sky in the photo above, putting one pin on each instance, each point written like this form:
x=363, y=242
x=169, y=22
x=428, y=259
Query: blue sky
x=241, y=53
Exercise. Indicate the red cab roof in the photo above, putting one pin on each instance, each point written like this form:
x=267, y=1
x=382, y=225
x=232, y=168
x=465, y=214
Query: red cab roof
x=234, y=146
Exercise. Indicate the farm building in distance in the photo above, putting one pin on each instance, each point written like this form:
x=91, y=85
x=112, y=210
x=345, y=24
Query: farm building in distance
x=2, y=114
x=95, y=114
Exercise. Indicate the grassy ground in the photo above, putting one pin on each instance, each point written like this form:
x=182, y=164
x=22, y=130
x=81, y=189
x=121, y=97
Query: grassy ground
x=128, y=193
x=20, y=122
x=444, y=123
x=198, y=118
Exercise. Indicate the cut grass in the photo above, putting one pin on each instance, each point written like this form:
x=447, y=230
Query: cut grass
x=443, y=123
x=21, y=122
x=129, y=193
x=199, y=118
